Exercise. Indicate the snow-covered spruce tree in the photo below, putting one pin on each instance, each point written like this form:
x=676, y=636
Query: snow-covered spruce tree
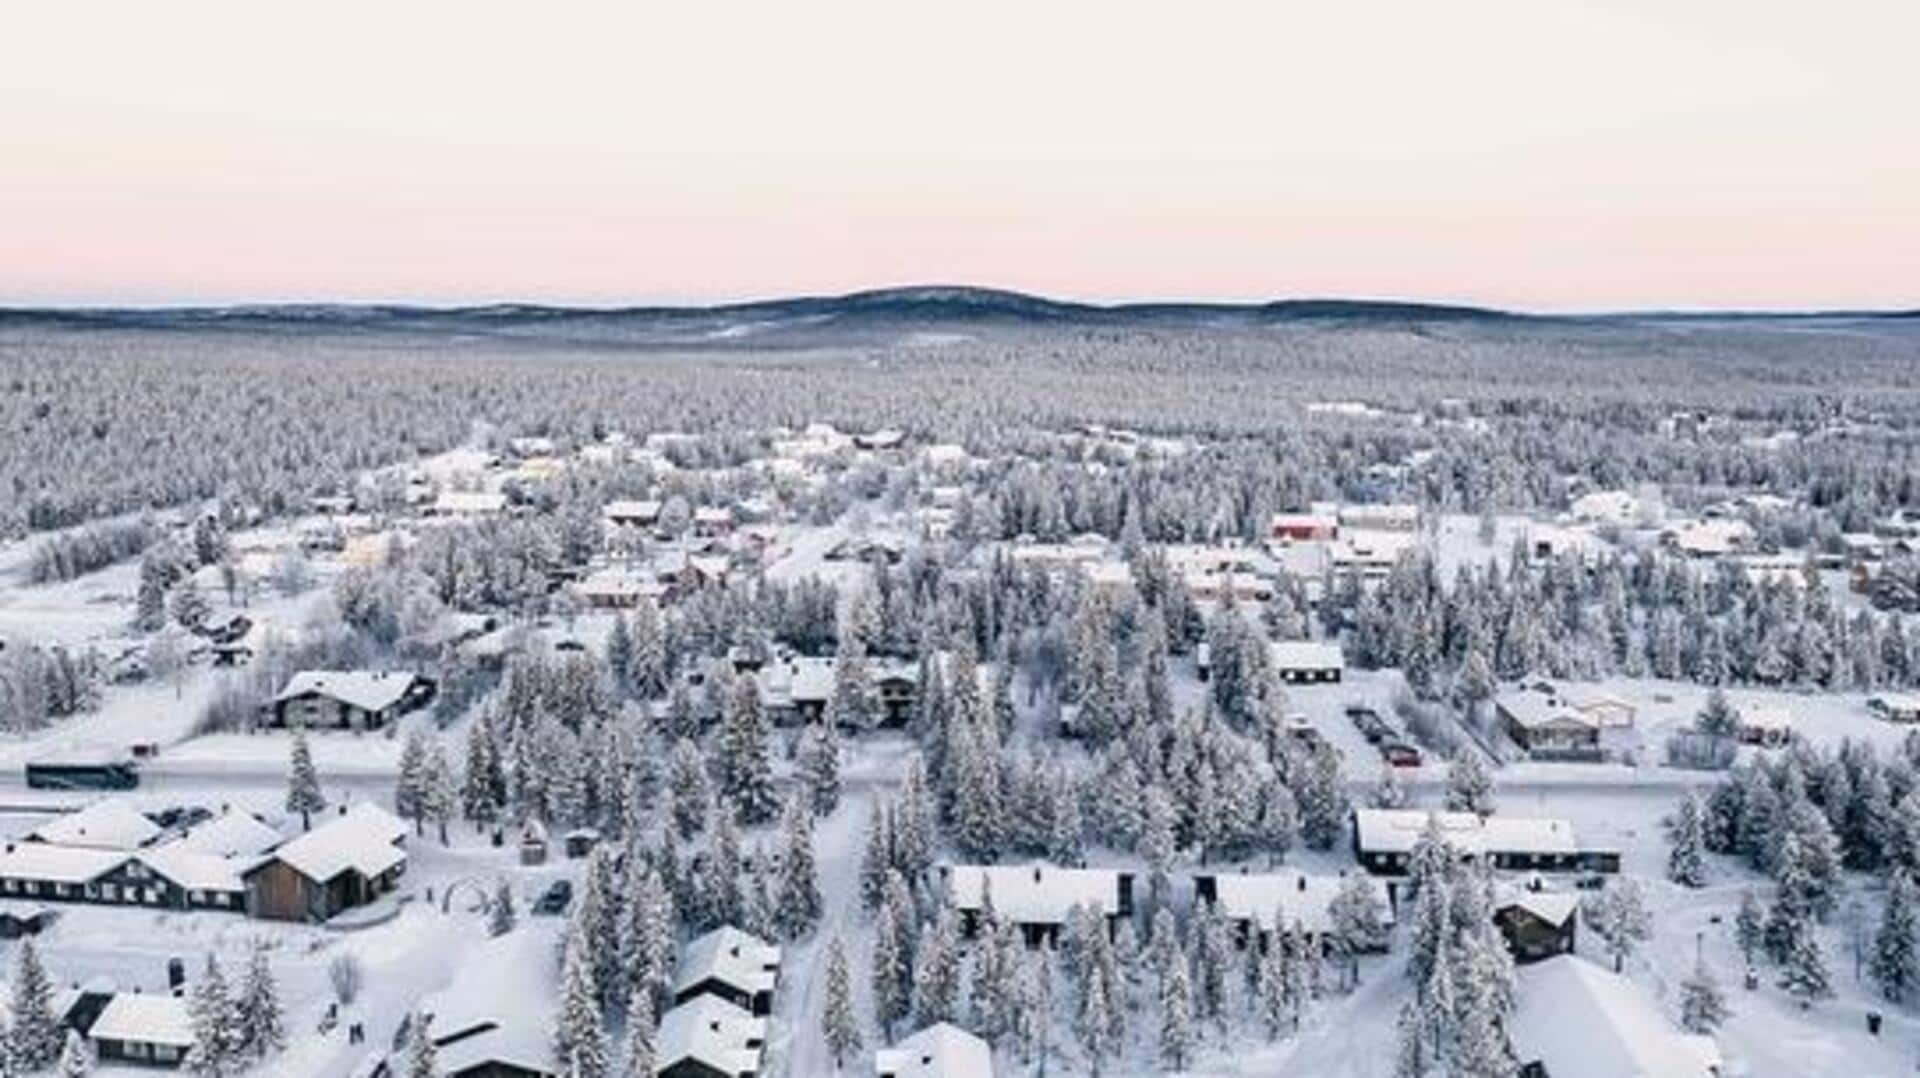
x=852, y=705
x=1718, y=719
x=840, y=1024
x=1469, y=786
x=619, y=654
x=1803, y=969
x=579, y=1042
x=1686, y=862
x=890, y=992
x=76, y=1060
x=913, y=832
x=689, y=796
x=877, y=858
x=1322, y=796
x=483, y=784
x=1036, y=1007
x=1359, y=923
x=1621, y=919
x=1411, y=1055
x=440, y=789
x=303, y=783
x=1095, y=1023
x=1703, y=1007
x=215, y=1036
x=1749, y=925
x=819, y=766
x=937, y=972
x=647, y=937
x=1388, y=793
x=261, y=1025
x=648, y=670
x=423, y=1059
x=746, y=775
x=638, y=1054
x=501, y=916
x=410, y=789
x=1896, y=965
x=799, y=883
x=35, y=1037
x=1176, y=1018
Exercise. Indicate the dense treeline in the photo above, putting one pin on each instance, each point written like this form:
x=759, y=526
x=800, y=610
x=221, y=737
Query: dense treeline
x=99, y=422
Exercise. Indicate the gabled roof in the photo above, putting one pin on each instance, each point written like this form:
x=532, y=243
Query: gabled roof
x=368, y=690
x=1302, y=899
x=1582, y=1021
x=230, y=834
x=59, y=864
x=147, y=1019
x=941, y=1050
x=363, y=839
x=1396, y=831
x=1037, y=893
x=1554, y=907
x=500, y=1004
x=196, y=870
x=730, y=956
x=712, y=1031
x=103, y=825
x=1307, y=655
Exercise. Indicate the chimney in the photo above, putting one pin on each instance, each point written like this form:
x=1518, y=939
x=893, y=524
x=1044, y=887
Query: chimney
x=1302, y=884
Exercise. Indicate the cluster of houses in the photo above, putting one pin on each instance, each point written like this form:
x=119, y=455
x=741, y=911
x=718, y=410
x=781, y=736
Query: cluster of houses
x=110, y=854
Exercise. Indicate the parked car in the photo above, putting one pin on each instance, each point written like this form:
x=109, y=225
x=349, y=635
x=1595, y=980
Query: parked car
x=1400, y=754
x=555, y=899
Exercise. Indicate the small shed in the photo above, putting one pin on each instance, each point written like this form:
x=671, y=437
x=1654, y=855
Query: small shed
x=533, y=843
x=580, y=841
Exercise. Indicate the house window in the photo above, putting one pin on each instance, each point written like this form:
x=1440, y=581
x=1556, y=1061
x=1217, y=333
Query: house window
x=13, y=886
x=110, y=892
x=196, y=897
x=137, y=870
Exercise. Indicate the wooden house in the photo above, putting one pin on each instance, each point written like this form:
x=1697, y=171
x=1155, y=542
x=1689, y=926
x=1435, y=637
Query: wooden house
x=142, y=1029
x=1536, y=924
x=348, y=861
x=941, y=1050
x=1037, y=897
x=348, y=699
x=1308, y=661
x=736, y=966
x=707, y=1037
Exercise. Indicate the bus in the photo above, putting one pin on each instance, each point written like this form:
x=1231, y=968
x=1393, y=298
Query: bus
x=82, y=773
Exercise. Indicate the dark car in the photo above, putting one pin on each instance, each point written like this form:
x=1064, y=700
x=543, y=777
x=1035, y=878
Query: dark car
x=555, y=899
x=1400, y=754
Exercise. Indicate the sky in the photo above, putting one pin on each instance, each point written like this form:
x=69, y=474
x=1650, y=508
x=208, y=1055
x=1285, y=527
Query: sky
x=1535, y=154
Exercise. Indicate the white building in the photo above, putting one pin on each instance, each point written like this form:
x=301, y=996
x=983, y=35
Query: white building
x=940, y=1050
x=1574, y=1019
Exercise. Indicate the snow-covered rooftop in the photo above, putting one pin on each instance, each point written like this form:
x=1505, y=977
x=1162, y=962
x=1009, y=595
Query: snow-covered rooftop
x=709, y=1030
x=1037, y=893
x=1396, y=831
x=1307, y=655
x=149, y=1019
x=499, y=1006
x=1581, y=1021
x=469, y=501
x=233, y=833
x=104, y=825
x=940, y=1050
x=731, y=957
x=362, y=839
x=196, y=870
x=368, y=690
x=1300, y=898
x=58, y=864
x=1553, y=907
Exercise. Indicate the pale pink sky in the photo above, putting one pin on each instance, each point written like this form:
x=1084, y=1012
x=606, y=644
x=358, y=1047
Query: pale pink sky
x=1532, y=153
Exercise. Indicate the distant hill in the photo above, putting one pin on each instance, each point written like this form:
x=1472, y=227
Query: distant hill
x=870, y=316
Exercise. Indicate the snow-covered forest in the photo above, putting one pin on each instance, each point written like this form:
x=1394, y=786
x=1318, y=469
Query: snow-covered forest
x=1374, y=694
